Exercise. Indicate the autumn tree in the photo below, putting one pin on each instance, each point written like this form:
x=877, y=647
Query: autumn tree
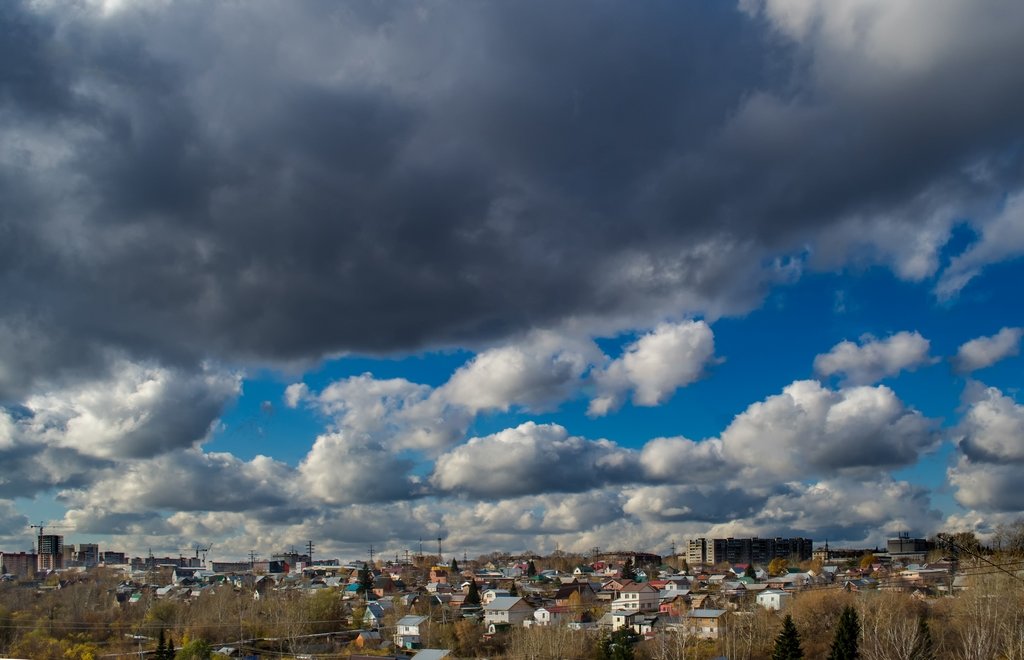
x=778, y=566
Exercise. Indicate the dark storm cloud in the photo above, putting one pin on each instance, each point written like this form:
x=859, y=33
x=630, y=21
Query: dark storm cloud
x=287, y=180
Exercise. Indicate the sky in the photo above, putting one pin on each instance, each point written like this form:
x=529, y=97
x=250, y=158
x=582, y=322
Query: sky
x=524, y=276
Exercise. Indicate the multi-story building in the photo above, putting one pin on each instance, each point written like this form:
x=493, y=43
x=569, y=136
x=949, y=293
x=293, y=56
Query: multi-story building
x=708, y=552
x=111, y=557
x=22, y=564
x=88, y=554
x=50, y=551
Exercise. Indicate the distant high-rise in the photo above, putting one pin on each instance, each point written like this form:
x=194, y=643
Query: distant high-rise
x=88, y=554
x=22, y=564
x=708, y=552
x=50, y=552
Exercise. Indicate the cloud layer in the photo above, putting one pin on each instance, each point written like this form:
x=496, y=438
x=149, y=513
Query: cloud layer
x=572, y=203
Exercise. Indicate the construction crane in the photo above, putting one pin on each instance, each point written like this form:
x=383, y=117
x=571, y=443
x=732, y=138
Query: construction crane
x=199, y=548
x=41, y=526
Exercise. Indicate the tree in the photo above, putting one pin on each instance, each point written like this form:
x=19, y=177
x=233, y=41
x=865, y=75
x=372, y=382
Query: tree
x=868, y=560
x=628, y=572
x=787, y=644
x=365, y=580
x=170, y=648
x=619, y=645
x=924, y=648
x=844, y=644
x=454, y=568
x=750, y=572
x=196, y=649
x=531, y=570
x=472, y=594
x=512, y=591
x=778, y=566
x=161, y=647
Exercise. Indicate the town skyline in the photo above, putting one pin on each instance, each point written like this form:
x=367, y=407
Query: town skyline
x=515, y=275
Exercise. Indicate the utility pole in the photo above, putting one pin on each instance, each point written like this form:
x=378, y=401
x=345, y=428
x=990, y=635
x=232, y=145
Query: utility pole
x=252, y=558
x=440, y=559
x=309, y=548
x=371, y=555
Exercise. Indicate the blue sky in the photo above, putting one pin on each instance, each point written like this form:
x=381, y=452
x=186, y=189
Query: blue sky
x=515, y=274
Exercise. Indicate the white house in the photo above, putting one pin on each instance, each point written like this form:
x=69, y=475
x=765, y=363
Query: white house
x=407, y=633
x=637, y=597
x=490, y=594
x=549, y=616
x=774, y=599
x=510, y=610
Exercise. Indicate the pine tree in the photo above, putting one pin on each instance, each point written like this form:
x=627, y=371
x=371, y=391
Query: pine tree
x=473, y=594
x=365, y=580
x=454, y=568
x=512, y=591
x=161, y=647
x=924, y=648
x=531, y=570
x=787, y=644
x=750, y=572
x=170, y=648
x=844, y=644
x=628, y=572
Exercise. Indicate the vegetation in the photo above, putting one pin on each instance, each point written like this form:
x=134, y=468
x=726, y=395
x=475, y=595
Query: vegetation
x=84, y=620
x=845, y=643
x=787, y=644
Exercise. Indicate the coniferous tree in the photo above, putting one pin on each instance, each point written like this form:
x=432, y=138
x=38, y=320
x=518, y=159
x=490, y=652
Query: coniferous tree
x=454, y=568
x=924, y=648
x=787, y=644
x=473, y=594
x=365, y=580
x=750, y=572
x=512, y=591
x=628, y=572
x=170, y=648
x=845, y=643
x=531, y=570
x=161, y=647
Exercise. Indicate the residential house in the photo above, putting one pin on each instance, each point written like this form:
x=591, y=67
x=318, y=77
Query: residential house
x=553, y=615
x=489, y=595
x=708, y=624
x=774, y=599
x=432, y=654
x=367, y=639
x=384, y=586
x=373, y=615
x=407, y=633
x=566, y=591
x=676, y=606
x=637, y=597
x=509, y=610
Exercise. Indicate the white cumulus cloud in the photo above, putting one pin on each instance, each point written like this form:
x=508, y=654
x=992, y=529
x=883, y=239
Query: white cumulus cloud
x=986, y=351
x=874, y=359
x=655, y=366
